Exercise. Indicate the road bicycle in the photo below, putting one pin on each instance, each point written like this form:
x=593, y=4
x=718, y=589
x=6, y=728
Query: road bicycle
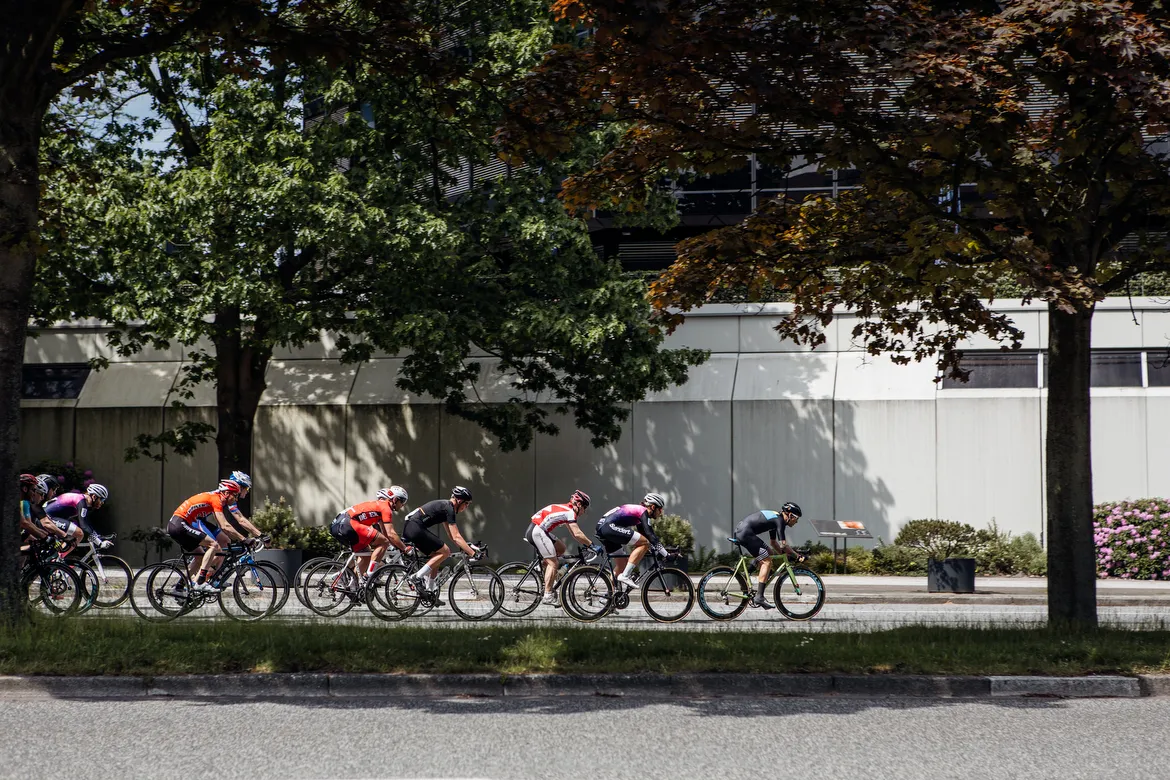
x=726, y=591
x=590, y=593
x=163, y=591
x=49, y=585
x=524, y=580
x=323, y=586
x=111, y=574
x=475, y=591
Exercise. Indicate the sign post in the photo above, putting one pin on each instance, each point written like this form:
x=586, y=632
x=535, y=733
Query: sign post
x=843, y=530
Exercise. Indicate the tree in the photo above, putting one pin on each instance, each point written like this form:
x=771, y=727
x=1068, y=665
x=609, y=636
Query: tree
x=50, y=47
x=1048, y=117
x=279, y=225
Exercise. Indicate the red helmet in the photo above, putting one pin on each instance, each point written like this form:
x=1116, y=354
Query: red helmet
x=229, y=487
x=580, y=497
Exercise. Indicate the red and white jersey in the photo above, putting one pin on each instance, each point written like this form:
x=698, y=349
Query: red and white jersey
x=554, y=515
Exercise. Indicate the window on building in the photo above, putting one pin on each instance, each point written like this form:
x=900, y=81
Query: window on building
x=1116, y=368
x=1158, y=367
x=996, y=369
x=51, y=381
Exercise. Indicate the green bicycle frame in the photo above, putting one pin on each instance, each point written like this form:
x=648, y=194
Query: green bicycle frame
x=783, y=568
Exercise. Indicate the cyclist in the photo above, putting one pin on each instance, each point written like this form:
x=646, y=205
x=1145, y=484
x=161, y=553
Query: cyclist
x=193, y=528
x=234, y=515
x=539, y=535
x=53, y=485
x=630, y=524
x=32, y=492
x=417, y=531
x=748, y=531
x=70, y=512
x=368, y=527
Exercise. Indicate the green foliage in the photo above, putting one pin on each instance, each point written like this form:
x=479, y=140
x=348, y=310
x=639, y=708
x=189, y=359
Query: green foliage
x=1132, y=539
x=71, y=475
x=148, y=537
x=858, y=561
x=998, y=552
x=940, y=539
x=705, y=559
x=674, y=531
x=279, y=521
x=898, y=559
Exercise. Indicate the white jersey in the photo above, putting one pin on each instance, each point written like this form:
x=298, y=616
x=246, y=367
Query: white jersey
x=554, y=515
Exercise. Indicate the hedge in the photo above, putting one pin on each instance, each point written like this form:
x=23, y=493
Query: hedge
x=1131, y=539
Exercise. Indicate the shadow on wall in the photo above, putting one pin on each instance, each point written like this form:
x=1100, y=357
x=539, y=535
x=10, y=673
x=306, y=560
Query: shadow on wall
x=392, y=444
x=299, y=453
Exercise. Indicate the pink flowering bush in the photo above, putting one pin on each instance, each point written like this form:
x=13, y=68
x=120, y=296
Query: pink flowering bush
x=1131, y=539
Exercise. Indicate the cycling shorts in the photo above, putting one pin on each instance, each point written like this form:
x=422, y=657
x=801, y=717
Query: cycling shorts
x=68, y=526
x=357, y=536
x=421, y=537
x=542, y=540
x=615, y=537
x=188, y=535
x=753, y=544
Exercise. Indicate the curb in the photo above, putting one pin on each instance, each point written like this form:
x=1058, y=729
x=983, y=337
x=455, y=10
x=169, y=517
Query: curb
x=641, y=685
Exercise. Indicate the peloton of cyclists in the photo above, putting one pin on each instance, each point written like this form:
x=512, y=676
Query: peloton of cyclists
x=200, y=522
x=539, y=535
x=629, y=524
x=417, y=531
x=367, y=527
x=70, y=513
x=748, y=533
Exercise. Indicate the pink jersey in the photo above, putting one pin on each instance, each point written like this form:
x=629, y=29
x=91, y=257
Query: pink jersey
x=554, y=515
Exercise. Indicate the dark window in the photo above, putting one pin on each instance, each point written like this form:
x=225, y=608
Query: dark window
x=58, y=380
x=739, y=179
x=1116, y=369
x=1158, y=366
x=806, y=176
x=720, y=203
x=996, y=369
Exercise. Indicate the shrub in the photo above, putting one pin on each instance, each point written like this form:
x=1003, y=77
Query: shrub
x=1131, y=537
x=940, y=539
x=998, y=552
x=71, y=475
x=898, y=559
x=859, y=561
x=279, y=521
x=676, y=532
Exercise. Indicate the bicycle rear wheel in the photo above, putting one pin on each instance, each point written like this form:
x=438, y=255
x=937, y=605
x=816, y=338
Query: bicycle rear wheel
x=160, y=592
x=475, y=593
x=331, y=589
x=113, y=580
x=88, y=579
x=384, y=596
x=523, y=587
x=668, y=595
x=250, y=593
x=587, y=594
x=723, y=593
x=53, y=589
x=800, y=596
x=298, y=584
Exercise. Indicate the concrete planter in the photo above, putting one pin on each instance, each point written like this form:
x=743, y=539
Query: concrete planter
x=951, y=575
x=288, y=561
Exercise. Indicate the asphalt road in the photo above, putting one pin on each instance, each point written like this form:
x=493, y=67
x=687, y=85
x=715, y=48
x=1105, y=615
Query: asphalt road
x=596, y=738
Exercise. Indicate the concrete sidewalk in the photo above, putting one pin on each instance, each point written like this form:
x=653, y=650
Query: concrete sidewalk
x=864, y=589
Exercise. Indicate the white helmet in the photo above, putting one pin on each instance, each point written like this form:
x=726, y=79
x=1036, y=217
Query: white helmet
x=98, y=491
x=654, y=499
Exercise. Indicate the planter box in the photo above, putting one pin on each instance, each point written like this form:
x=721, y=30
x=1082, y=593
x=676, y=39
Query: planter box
x=952, y=575
x=288, y=561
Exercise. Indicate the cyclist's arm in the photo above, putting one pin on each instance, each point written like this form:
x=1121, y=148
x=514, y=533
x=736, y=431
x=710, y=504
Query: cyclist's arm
x=227, y=527
x=83, y=520
x=26, y=522
x=453, y=532
x=578, y=534
x=386, y=526
x=648, y=531
x=50, y=527
x=248, y=526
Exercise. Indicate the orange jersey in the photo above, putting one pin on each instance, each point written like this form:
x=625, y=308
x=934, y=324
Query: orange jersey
x=370, y=512
x=199, y=506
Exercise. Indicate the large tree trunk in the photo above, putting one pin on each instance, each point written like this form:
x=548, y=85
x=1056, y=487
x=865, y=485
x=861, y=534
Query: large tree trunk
x=20, y=129
x=240, y=382
x=1072, y=564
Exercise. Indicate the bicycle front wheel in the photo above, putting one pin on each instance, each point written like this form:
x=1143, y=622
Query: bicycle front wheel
x=89, y=584
x=799, y=595
x=160, y=592
x=668, y=595
x=476, y=593
x=53, y=589
x=723, y=593
x=330, y=589
x=298, y=585
x=587, y=594
x=113, y=580
x=388, y=595
x=254, y=593
x=523, y=587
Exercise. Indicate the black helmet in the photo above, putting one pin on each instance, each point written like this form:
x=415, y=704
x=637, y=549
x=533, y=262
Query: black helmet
x=50, y=481
x=461, y=493
x=791, y=508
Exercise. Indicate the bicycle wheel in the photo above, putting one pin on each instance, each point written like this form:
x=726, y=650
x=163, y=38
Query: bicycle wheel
x=280, y=582
x=723, y=593
x=799, y=596
x=250, y=593
x=88, y=579
x=523, y=587
x=160, y=592
x=298, y=584
x=113, y=580
x=668, y=595
x=331, y=589
x=587, y=594
x=53, y=589
x=476, y=593
x=385, y=593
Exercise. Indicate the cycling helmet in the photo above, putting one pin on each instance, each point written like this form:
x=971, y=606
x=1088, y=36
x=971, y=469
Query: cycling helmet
x=654, y=499
x=241, y=479
x=581, y=497
x=791, y=508
x=33, y=483
x=41, y=487
x=399, y=492
x=50, y=481
x=227, y=486
x=461, y=493
x=98, y=491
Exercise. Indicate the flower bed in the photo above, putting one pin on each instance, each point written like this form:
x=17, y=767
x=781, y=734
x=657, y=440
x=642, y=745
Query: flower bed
x=1131, y=539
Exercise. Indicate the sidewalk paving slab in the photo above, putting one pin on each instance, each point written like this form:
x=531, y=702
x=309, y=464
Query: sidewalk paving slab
x=1073, y=687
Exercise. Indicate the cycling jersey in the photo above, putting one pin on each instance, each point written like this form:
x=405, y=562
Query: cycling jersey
x=758, y=522
x=553, y=516
x=633, y=516
x=71, y=507
x=370, y=512
x=201, y=507
x=433, y=513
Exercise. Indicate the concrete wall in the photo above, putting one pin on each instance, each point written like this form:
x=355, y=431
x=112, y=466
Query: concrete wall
x=846, y=434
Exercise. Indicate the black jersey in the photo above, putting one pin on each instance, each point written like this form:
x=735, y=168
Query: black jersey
x=433, y=512
x=763, y=520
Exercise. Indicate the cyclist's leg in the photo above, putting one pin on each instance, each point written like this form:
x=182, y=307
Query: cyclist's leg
x=759, y=551
x=429, y=544
x=548, y=549
x=614, y=538
x=369, y=542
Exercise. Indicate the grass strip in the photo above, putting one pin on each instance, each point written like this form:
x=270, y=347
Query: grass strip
x=116, y=646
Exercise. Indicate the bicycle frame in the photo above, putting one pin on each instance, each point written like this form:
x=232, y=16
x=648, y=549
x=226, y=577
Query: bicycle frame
x=783, y=568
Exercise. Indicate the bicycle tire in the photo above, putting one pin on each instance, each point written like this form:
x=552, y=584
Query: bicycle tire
x=475, y=593
x=587, y=594
x=53, y=589
x=328, y=589
x=253, y=590
x=302, y=570
x=801, y=606
x=663, y=602
x=523, y=588
x=156, y=607
x=280, y=582
x=114, y=576
x=715, y=593
x=88, y=580
x=381, y=592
